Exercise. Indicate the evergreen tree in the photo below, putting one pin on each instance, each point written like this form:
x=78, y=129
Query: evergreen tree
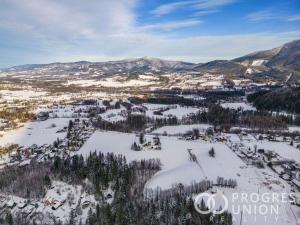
x=141, y=138
x=47, y=180
x=9, y=218
x=212, y=152
x=72, y=218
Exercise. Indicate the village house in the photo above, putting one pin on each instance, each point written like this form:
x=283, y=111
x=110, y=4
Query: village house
x=42, y=116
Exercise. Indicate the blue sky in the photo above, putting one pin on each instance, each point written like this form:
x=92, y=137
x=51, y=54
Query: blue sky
x=43, y=31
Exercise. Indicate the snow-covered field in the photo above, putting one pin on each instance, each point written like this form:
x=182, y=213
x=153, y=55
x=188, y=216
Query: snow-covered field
x=294, y=129
x=238, y=105
x=181, y=111
x=181, y=129
x=112, y=82
x=174, y=110
x=114, y=115
x=21, y=95
x=39, y=132
x=174, y=157
x=154, y=106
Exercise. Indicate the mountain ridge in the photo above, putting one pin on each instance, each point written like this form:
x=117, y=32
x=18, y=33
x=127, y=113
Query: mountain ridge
x=146, y=59
x=275, y=63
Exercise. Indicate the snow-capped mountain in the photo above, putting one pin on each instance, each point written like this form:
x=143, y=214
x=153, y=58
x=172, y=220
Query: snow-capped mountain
x=276, y=63
x=145, y=64
x=286, y=56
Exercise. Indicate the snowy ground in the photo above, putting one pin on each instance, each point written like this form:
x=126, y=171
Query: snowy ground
x=116, y=82
x=294, y=129
x=114, y=115
x=181, y=129
x=39, y=132
x=238, y=105
x=174, y=110
x=173, y=156
x=21, y=95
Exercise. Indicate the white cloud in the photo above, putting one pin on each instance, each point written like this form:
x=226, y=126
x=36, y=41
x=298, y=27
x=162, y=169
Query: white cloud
x=267, y=14
x=261, y=15
x=206, y=6
x=206, y=12
x=71, y=18
x=167, y=8
x=42, y=31
x=211, y=4
x=294, y=18
x=172, y=25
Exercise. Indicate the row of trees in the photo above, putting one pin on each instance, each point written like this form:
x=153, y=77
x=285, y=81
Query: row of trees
x=226, y=118
x=17, y=114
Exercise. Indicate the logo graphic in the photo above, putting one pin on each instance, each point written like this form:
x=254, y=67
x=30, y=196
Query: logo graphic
x=215, y=203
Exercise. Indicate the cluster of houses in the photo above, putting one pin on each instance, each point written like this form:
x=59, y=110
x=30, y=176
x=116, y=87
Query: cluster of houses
x=280, y=138
x=77, y=134
x=287, y=169
x=257, y=156
x=59, y=200
x=196, y=134
x=42, y=116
